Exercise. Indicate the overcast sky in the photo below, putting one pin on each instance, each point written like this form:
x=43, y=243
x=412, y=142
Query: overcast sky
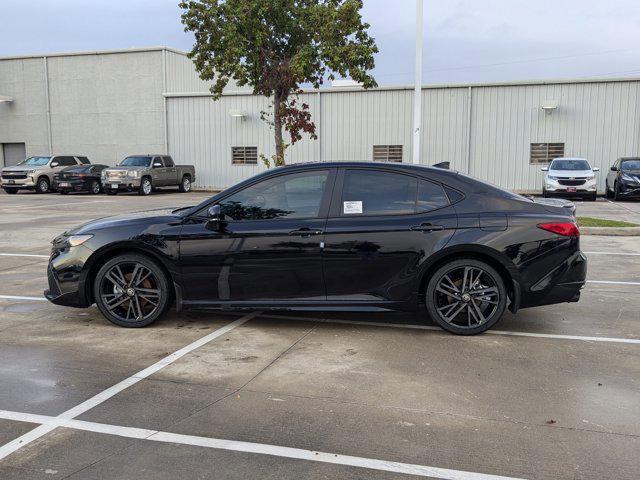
x=464, y=40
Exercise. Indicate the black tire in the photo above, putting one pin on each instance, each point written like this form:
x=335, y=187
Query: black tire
x=185, y=184
x=111, y=192
x=10, y=191
x=63, y=192
x=607, y=192
x=129, y=307
x=146, y=187
x=455, y=315
x=544, y=193
x=616, y=192
x=95, y=187
x=43, y=185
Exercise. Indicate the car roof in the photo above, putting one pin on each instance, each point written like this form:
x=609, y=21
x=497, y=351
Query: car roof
x=571, y=158
x=408, y=167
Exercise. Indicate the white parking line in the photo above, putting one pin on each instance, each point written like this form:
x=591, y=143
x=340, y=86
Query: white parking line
x=103, y=396
x=613, y=253
x=17, y=297
x=612, y=282
x=251, y=447
x=23, y=255
x=432, y=327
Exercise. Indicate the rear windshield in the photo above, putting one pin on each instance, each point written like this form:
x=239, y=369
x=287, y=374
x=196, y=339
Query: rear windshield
x=630, y=164
x=570, y=165
x=35, y=161
x=136, y=162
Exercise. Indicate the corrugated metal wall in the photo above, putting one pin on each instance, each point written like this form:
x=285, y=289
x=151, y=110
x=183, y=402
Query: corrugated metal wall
x=598, y=120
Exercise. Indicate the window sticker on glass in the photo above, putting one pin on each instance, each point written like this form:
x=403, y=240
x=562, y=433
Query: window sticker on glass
x=352, y=207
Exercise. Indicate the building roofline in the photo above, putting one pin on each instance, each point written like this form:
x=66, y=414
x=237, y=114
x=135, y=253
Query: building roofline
x=96, y=52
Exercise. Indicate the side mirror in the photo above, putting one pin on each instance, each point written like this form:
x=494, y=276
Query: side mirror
x=596, y=169
x=215, y=218
x=614, y=169
x=545, y=169
x=54, y=164
x=157, y=165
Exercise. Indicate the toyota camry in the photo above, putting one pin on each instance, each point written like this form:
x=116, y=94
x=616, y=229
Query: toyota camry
x=329, y=236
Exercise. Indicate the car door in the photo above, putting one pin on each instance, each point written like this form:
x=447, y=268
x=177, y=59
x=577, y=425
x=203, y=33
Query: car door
x=171, y=172
x=158, y=174
x=383, y=225
x=267, y=250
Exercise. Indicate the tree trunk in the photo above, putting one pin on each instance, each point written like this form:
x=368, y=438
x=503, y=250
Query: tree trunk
x=277, y=128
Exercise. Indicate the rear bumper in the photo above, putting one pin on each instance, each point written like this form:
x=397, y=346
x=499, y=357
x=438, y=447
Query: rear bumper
x=562, y=284
x=72, y=185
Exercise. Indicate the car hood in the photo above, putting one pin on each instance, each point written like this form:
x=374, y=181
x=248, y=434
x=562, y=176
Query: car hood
x=128, y=168
x=571, y=173
x=161, y=215
x=22, y=168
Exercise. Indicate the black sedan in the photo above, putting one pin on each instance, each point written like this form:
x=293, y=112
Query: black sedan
x=623, y=179
x=81, y=178
x=327, y=236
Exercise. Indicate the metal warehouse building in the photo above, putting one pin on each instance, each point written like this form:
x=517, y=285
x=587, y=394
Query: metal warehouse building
x=109, y=104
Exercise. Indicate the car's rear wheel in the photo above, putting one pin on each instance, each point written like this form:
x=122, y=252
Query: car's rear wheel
x=185, y=185
x=95, y=187
x=131, y=290
x=466, y=296
x=43, y=185
x=145, y=187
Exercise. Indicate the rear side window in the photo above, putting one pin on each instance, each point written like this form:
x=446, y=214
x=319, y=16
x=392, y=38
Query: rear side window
x=370, y=192
x=431, y=196
x=84, y=160
x=168, y=162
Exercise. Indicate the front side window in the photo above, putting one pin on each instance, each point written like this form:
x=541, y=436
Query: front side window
x=35, y=161
x=296, y=195
x=136, y=162
x=570, y=165
x=168, y=162
x=370, y=192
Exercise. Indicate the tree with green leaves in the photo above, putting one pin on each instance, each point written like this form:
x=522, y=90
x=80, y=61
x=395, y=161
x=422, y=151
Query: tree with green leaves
x=275, y=47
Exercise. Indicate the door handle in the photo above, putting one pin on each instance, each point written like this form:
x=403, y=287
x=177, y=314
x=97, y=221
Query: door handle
x=427, y=227
x=305, y=232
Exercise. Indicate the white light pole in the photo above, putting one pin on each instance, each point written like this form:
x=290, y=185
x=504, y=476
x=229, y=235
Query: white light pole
x=417, y=93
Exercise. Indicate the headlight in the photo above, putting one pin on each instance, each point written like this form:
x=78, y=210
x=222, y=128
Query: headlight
x=628, y=178
x=30, y=172
x=591, y=179
x=552, y=177
x=132, y=173
x=75, y=240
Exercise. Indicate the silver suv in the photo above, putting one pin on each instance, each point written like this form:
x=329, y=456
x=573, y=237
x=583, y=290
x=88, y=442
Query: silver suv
x=570, y=177
x=36, y=173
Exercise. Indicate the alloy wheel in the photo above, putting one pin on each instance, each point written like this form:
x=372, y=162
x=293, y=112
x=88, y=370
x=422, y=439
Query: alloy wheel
x=130, y=292
x=186, y=184
x=466, y=297
x=146, y=186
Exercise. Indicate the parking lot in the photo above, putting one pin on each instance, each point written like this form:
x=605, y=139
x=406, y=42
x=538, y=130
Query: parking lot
x=552, y=392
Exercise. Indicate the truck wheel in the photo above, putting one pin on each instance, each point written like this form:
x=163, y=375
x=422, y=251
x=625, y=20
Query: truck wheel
x=43, y=185
x=185, y=184
x=145, y=187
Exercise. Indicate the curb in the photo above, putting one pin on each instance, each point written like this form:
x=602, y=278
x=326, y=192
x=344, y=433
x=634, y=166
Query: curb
x=611, y=231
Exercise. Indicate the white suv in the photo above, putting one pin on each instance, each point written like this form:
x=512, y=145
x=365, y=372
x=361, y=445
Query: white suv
x=570, y=177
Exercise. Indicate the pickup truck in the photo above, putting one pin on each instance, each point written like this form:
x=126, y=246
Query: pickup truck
x=144, y=173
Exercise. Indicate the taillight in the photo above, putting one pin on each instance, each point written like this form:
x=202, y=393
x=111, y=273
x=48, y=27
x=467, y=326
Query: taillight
x=82, y=175
x=566, y=229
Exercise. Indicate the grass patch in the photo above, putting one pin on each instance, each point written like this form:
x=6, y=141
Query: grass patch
x=601, y=222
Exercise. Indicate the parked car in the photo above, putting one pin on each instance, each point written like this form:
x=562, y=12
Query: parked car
x=36, y=173
x=571, y=177
x=80, y=178
x=623, y=180
x=344, y=235
x=144, y=173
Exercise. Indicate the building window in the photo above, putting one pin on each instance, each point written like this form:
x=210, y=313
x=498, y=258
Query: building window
x=387, y=153
x=244, y=155
x=545, y=152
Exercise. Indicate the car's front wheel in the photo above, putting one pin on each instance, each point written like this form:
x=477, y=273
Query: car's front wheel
x=466, y=296
x=43, y=185
x=145, y=187
x=131, y=290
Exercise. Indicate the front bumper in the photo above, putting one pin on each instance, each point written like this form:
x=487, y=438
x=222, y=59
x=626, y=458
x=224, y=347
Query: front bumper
x=629, y=189
x=24, y=183
x=124, y=184
x=67, y=277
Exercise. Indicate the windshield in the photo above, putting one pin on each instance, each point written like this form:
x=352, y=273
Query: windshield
x=570, y=165
x=35, y=161
x=630, y=164
x=136, y=162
